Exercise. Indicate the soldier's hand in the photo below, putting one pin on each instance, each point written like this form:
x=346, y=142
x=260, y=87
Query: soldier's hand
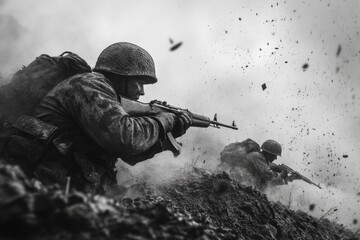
x=284, y=174
x=167, y=121
x=183, y=122
x=293, y=177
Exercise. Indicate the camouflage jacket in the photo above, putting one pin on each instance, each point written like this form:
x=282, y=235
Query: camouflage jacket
x=92, y=131
x=259, y=167
x=88, y=102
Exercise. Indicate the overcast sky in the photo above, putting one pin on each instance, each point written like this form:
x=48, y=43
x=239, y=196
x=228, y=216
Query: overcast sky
x=230, y=49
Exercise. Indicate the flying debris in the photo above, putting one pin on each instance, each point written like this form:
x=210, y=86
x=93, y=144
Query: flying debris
x=338, y=51
x=312, y=207
x=345, y=156
x=263, y=86
x=305, y=66
x=171, y=41
x=176, y=46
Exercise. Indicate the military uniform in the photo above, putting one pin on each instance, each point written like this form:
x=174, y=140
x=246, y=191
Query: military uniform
x=80, y=129
x=244, y=162
x=259, y=168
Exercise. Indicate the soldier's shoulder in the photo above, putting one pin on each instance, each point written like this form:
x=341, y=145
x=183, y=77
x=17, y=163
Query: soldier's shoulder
x=85, y=79
x=255, y=155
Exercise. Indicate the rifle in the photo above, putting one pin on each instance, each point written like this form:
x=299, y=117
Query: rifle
x=137, y=109
x=293, y=172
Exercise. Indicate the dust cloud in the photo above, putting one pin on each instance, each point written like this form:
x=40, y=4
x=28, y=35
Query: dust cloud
x=306, y=52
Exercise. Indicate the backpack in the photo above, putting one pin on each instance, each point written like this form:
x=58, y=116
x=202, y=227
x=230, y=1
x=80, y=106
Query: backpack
x=31, y=83
x=234, y=153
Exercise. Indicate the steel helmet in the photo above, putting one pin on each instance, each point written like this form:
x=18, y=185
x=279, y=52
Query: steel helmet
x=272, y=146
x=127, y=59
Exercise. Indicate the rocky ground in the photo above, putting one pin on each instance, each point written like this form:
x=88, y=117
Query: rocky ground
x=200, y=205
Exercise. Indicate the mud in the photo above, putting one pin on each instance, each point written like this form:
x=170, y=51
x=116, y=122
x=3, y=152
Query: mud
x=200, y=205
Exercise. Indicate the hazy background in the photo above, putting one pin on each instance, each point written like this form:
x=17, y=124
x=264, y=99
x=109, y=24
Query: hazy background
x=230, y=48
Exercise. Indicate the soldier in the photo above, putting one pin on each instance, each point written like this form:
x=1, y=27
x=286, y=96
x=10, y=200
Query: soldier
x=252, y=164
x=80, y=127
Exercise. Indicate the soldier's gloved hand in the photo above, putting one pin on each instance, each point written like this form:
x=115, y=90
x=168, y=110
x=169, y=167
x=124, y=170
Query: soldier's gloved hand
x=293, y=177
x=183, y=122
x=166, y=121
x=284, y=174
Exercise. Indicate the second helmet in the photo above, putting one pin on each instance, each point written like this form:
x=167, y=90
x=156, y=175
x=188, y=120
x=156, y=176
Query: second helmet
x=272, y=146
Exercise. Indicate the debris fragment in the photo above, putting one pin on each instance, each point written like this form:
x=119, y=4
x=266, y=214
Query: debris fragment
x=263, y=86
x=176, y=46
x=329, y=212
x=338, y=51
x=355, y=221
x=312, y=207
x=345, y=156
x=305, y=67
x=67, y=186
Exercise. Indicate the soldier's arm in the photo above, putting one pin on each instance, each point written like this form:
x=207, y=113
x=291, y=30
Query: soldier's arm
x=267, y=174
x=98, y=112
x=275, y=168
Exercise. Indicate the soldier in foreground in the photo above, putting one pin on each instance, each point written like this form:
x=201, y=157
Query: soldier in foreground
x=80, y=128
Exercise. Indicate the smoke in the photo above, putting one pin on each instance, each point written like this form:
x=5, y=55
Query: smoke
x=11, y=32
x=164, y=167
x=229, y=51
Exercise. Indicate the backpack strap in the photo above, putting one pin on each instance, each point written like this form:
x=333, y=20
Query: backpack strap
x=35, y=127
x=44, y=131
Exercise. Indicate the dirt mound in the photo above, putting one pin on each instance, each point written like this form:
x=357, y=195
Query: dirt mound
x=199, y=206
x=246, y=212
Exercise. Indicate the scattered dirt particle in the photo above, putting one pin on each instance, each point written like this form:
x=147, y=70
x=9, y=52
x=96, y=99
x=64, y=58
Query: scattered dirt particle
x=312, y=207
x=305, y=67
x=338, y=51
x=176, y=46
x=263, y=86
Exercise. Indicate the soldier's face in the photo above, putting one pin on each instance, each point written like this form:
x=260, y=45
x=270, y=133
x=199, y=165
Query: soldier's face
x=272, y=157
x=135, y=89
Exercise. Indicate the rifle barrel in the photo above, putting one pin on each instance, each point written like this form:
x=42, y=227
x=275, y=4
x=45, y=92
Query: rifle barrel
x=216, y=124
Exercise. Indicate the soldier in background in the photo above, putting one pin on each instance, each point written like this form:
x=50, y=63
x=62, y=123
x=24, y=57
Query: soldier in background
x=253, y=165
x=80, y=127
